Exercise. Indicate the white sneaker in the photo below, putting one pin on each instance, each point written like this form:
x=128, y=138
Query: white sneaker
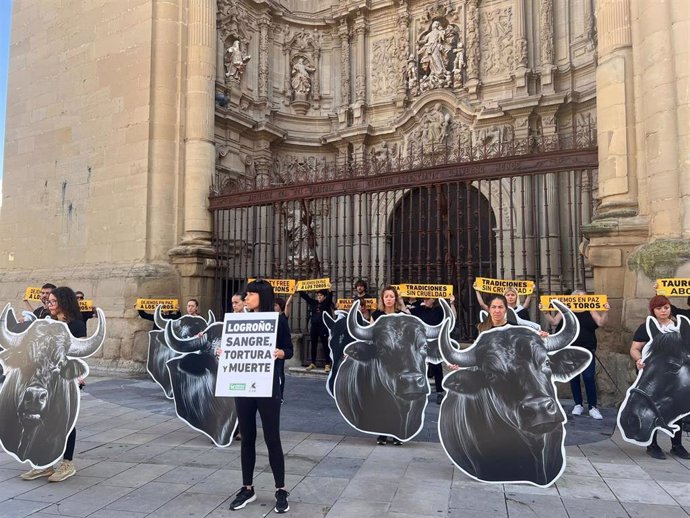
x=594, y=413
x=578, y=410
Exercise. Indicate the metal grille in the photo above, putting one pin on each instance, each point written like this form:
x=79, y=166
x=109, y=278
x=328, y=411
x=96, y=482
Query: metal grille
x=437, y=218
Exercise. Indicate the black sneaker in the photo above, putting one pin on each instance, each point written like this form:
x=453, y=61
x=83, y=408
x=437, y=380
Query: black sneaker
x=439, y=397
x=680, y=452
x=282, y=505
x=381, y=440
x=655, y=452
x=397, y=442
x=244, y=497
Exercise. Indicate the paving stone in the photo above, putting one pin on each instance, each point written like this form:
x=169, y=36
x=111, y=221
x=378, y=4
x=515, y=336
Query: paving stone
x=312, y=447
x=680, y=491
x=639, y=491
x=105, y=469
x=88, y=501
x=143, y=452
x=654, y=511
x=264, y=481
x=580, y=466
x=583, y=487
x=139, y=475
x=189, y=505
x=430, y=471
x=13, y=487
x=8, y=473
x=526, y=505
x=612, y=470
x=186, y=475
x=338, y=467
x=148, y=498
x=264, y=504
x=19, y=508
x=586, y=508
x=111, y=513
x=358, y=509
x=376, y=488
x=140, y=438
x=529, y=489
x=221, y=482
x=50, y=492
x=319, y=490
x=478, y=499
x=299, y=464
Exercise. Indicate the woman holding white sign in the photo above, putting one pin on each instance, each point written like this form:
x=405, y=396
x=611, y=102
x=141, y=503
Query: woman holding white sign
x=260, y=298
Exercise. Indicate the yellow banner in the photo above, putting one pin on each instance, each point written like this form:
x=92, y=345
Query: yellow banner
x=426, y=291
x=347, y=304
x=32, y=294
x=499, y=286
x=576, y=303
x=314, y=284
x=151, y=304
x=86, y=305
x=397, y=287
x=673, y=287
x=281, y=286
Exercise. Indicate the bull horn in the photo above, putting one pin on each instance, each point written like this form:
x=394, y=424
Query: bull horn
x=569, y=331
x=434, y=331
x=158, y=317
x=7, y=338
x=211, y=318
x=450, y=353
x=184, y=345
x=358, y=332
x=83, y=347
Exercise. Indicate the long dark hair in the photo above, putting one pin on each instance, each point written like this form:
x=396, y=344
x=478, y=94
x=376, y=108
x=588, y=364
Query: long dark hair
x=265, y=291
x=67, y=303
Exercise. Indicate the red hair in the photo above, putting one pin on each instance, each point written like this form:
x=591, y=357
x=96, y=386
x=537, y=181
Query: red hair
x=657, y=301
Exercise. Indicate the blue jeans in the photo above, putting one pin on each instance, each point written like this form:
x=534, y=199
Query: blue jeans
x=588, y=376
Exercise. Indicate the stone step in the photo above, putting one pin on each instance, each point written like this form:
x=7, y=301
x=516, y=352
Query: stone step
x=302, y=372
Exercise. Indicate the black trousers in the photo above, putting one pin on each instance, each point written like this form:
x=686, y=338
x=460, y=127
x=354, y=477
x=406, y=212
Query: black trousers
x=317, y=333
x=269, y=410
x=677, y=438
x=437, y=371
x=71, y=442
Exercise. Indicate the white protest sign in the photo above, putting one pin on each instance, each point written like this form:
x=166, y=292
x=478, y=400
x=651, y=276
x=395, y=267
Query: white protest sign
x=245, y=366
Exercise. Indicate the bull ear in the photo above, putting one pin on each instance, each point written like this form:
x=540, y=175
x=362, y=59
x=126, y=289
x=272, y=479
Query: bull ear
x=653, y=328
x=361, y=351
x=569, y=362
x=73, y=369
x=328, y=320
x=466, y=381
x=483, y=315
x=684, y=328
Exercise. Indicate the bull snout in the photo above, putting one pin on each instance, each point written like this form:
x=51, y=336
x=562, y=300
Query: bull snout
x=539, y=414
x=34, y=401
x=411, y=385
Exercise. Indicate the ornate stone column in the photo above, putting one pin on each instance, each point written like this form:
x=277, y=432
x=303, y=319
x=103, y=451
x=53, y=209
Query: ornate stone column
x=403, y=49
x=546, y=38
x=264, y=57
x=199, y=149
x=361, y=28
x=263, y=224
x=344, y=33
x=473, y=51
x=520, y=50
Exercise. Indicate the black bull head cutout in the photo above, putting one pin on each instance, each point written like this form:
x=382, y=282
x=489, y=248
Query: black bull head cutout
x=39, y=399
x=381, y=386
x=160, y=352
x=501, y=420
x=193, y=378
x=660, y=395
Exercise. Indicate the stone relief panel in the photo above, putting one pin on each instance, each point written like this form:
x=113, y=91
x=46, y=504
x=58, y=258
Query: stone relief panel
x=384, y=75
x=496, y=42
x=302, y=52
x=233, y=24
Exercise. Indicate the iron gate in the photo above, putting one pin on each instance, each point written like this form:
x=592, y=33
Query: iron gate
x=513, y=210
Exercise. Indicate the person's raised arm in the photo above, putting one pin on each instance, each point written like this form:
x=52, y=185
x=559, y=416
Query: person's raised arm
x=288, y=305
x=527, y=301
x=601, y=317
x=480, y=300
x=636, y=354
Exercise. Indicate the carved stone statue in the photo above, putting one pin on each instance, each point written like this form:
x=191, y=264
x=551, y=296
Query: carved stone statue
x=458, y=65
x=301, y=80
x=411, y=75
x=435, y=126
x=235, y=62
x=434, y=51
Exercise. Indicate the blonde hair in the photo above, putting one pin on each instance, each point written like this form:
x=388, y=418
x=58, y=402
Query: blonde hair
x=512, y=289
x=398, y=299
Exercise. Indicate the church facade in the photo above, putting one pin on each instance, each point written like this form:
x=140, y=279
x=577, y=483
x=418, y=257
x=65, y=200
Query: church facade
x=175, y=148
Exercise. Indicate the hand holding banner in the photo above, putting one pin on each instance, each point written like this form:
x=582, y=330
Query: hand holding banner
x=280, y=286
x=499, y=286
x=33, y=294
x=673, y=287
x=576, y=303
x=346, y=304
x=426, y=291
x=86, y=305
x=314, y=284
x=151, y=304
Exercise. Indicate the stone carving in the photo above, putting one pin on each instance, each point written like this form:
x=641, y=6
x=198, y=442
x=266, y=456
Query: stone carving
x=344, y=33
x=521, y=52
x=381, y=156
x=235, y=62
x=301, y=230
x=472, y=40
x=301, y=79
x=410, y=76
x=264, y=26
x=432, y=130
x=384, y=76
x=458, y=65
x=497, y=41
x=546, y=31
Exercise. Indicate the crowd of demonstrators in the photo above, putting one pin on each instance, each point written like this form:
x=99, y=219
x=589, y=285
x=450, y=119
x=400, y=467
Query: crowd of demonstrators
x=318, y=332
x=660, y=309
x=259, y=297
x=590, y=321
x=63, y=305
x=431, y=313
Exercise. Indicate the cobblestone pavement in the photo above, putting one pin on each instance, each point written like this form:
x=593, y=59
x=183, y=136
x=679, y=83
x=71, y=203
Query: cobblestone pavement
x=135, y=458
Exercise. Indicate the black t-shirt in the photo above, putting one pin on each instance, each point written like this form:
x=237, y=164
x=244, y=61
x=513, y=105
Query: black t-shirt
x=641, y=334
x=378, y=313
x=77, y=328
x=675, y=311
x=41, y=312
x=430, y=316
x=588, y=336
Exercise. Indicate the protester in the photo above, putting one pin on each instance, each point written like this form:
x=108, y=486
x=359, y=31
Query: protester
x=323, y=303
x=513, y=301
x=430, y=312
x=498, y=315
x=282, y=307
x=85, y=315
x=389, y=303
x=359, y=294
x=169, y=315
x=587, y=339
x=660, y=309
x=237, y=302
x=193, y=307
x=42, y=311
x=63, y=306
x=260, y=298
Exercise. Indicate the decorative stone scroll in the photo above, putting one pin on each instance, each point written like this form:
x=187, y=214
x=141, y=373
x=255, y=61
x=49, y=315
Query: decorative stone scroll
x=497, y=41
